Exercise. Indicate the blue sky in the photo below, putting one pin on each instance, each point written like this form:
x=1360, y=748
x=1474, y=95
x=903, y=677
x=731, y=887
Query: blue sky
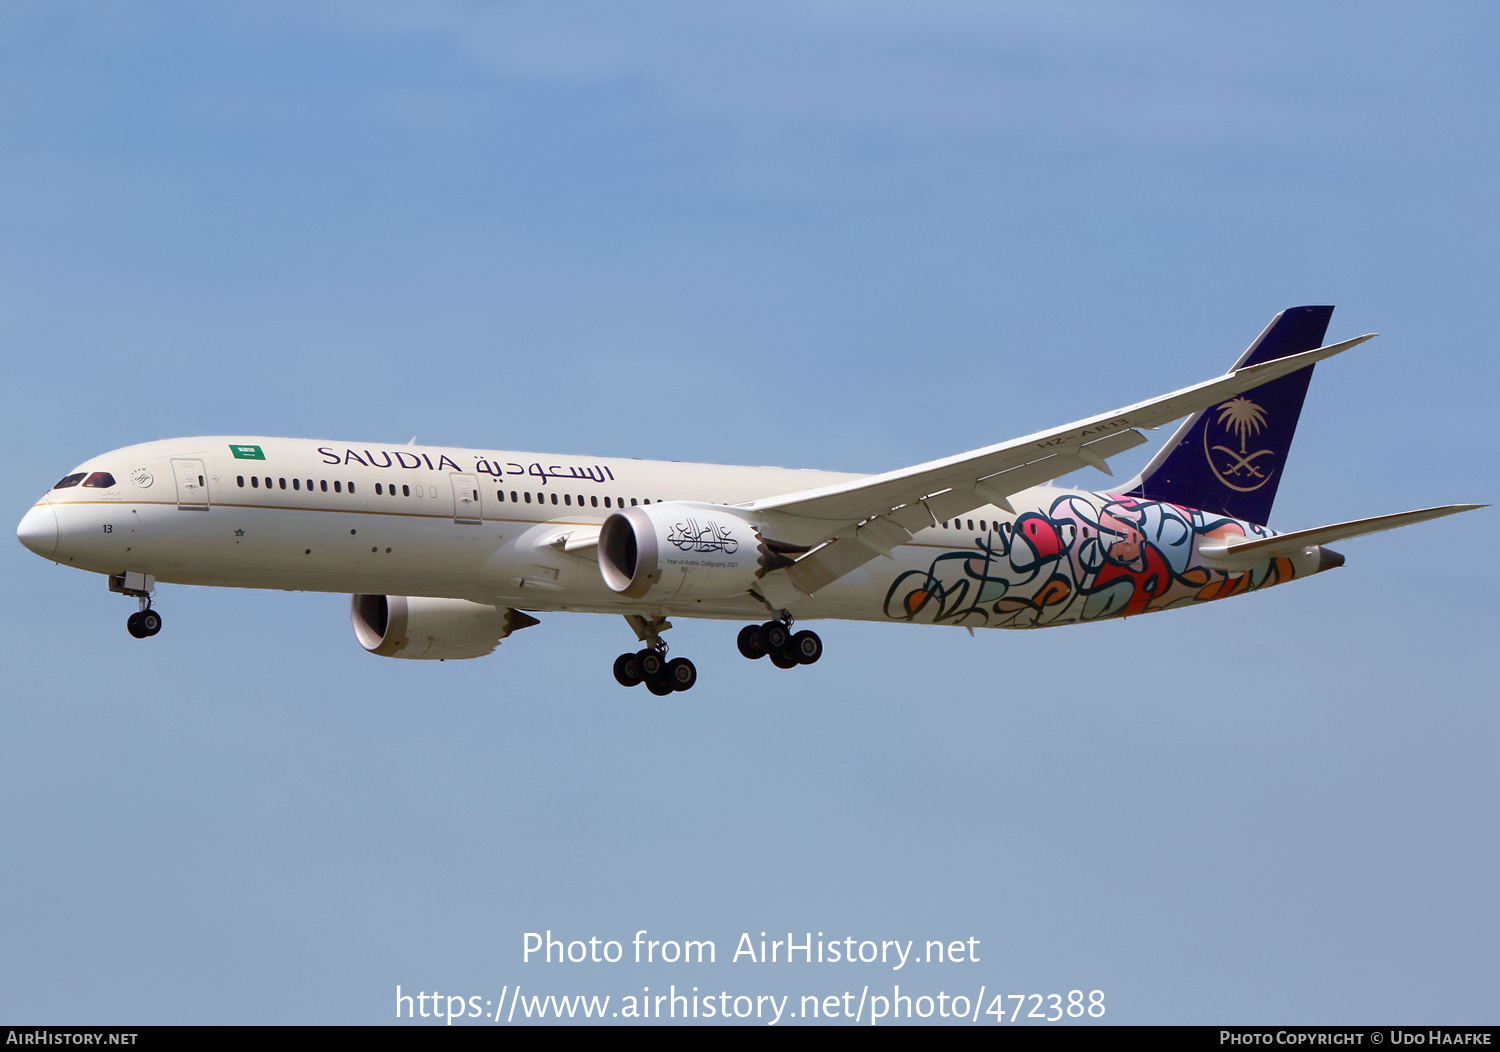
x=849, y=236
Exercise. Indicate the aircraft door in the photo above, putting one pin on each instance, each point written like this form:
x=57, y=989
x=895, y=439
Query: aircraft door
x=192, y=484
x=466, y=503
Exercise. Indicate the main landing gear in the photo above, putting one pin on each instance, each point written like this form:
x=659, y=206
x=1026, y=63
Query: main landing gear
x=145, y=622
x=776, y=640
x=650, y=666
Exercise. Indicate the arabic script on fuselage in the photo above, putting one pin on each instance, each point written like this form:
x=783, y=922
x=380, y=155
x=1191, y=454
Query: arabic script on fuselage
x=412, y=460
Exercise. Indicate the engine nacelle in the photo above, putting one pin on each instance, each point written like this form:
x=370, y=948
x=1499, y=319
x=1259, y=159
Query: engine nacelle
x=679, y=550
x=431, y=629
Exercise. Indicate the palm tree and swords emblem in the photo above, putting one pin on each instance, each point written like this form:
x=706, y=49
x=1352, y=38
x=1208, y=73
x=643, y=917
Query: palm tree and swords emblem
x=1245, y=420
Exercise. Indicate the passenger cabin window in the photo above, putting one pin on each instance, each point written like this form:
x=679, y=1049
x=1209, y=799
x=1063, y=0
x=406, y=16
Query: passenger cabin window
x=323, y=484
x=351, y=487
x=296, y=483
x=241, y=480
x=255, y=482
x=281, y=483
x=406, y=491
x=99, y=480
x=594, y=502
x=338, y=487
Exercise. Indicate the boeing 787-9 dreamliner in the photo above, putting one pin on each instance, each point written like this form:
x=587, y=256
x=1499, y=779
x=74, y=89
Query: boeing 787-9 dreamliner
x=448, y=551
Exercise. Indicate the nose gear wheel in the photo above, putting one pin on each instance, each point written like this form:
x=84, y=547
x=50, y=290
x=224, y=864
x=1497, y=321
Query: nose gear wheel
x=145, y=622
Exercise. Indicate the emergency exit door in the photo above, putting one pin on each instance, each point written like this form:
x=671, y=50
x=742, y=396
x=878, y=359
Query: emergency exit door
x=466, y=506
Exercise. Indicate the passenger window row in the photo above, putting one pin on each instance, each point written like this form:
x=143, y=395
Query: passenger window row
x=405, y=490
x=567, y=499
x=104, y=480
x=255, y=482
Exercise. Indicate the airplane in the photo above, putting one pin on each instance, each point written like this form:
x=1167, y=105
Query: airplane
x=447, y=551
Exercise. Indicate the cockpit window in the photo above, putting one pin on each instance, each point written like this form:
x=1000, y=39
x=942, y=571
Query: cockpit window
x=71, y=480
x=99, y=480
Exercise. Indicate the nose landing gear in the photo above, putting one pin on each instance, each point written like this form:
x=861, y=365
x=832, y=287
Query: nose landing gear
x=650, y=666
x=145, y=622
x=776, y=640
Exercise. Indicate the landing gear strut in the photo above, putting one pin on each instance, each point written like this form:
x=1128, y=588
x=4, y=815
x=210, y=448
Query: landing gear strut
x=776, y=640
x=650, y=666
x=145, y=622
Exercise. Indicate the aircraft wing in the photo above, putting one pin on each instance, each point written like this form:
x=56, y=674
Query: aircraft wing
x=1243, y=554
x=860, y=520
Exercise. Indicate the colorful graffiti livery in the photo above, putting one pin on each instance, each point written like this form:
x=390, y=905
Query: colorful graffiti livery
x=1087, y=558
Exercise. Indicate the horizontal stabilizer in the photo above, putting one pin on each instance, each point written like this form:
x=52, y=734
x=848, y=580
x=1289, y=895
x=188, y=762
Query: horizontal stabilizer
x=1243, y=554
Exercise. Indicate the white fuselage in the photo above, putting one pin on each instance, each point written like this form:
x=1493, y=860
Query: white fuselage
x=487, y=526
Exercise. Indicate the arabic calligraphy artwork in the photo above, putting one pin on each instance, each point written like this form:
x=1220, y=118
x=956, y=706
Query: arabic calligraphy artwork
x=690, y=537
x=1089, y=557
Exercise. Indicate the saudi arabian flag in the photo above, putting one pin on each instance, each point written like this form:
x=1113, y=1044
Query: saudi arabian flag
x=247, y=453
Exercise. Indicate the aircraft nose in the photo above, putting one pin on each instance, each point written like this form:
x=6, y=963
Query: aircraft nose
x=38, y=531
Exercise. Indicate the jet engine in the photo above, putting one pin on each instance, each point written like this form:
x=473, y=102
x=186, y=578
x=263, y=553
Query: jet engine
x=431, y=629
x=678, y=550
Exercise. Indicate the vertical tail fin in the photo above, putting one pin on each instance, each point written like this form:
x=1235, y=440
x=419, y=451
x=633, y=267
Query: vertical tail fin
x=1228, y=459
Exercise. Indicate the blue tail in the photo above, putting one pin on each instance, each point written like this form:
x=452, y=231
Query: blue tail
x=1228, y=459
